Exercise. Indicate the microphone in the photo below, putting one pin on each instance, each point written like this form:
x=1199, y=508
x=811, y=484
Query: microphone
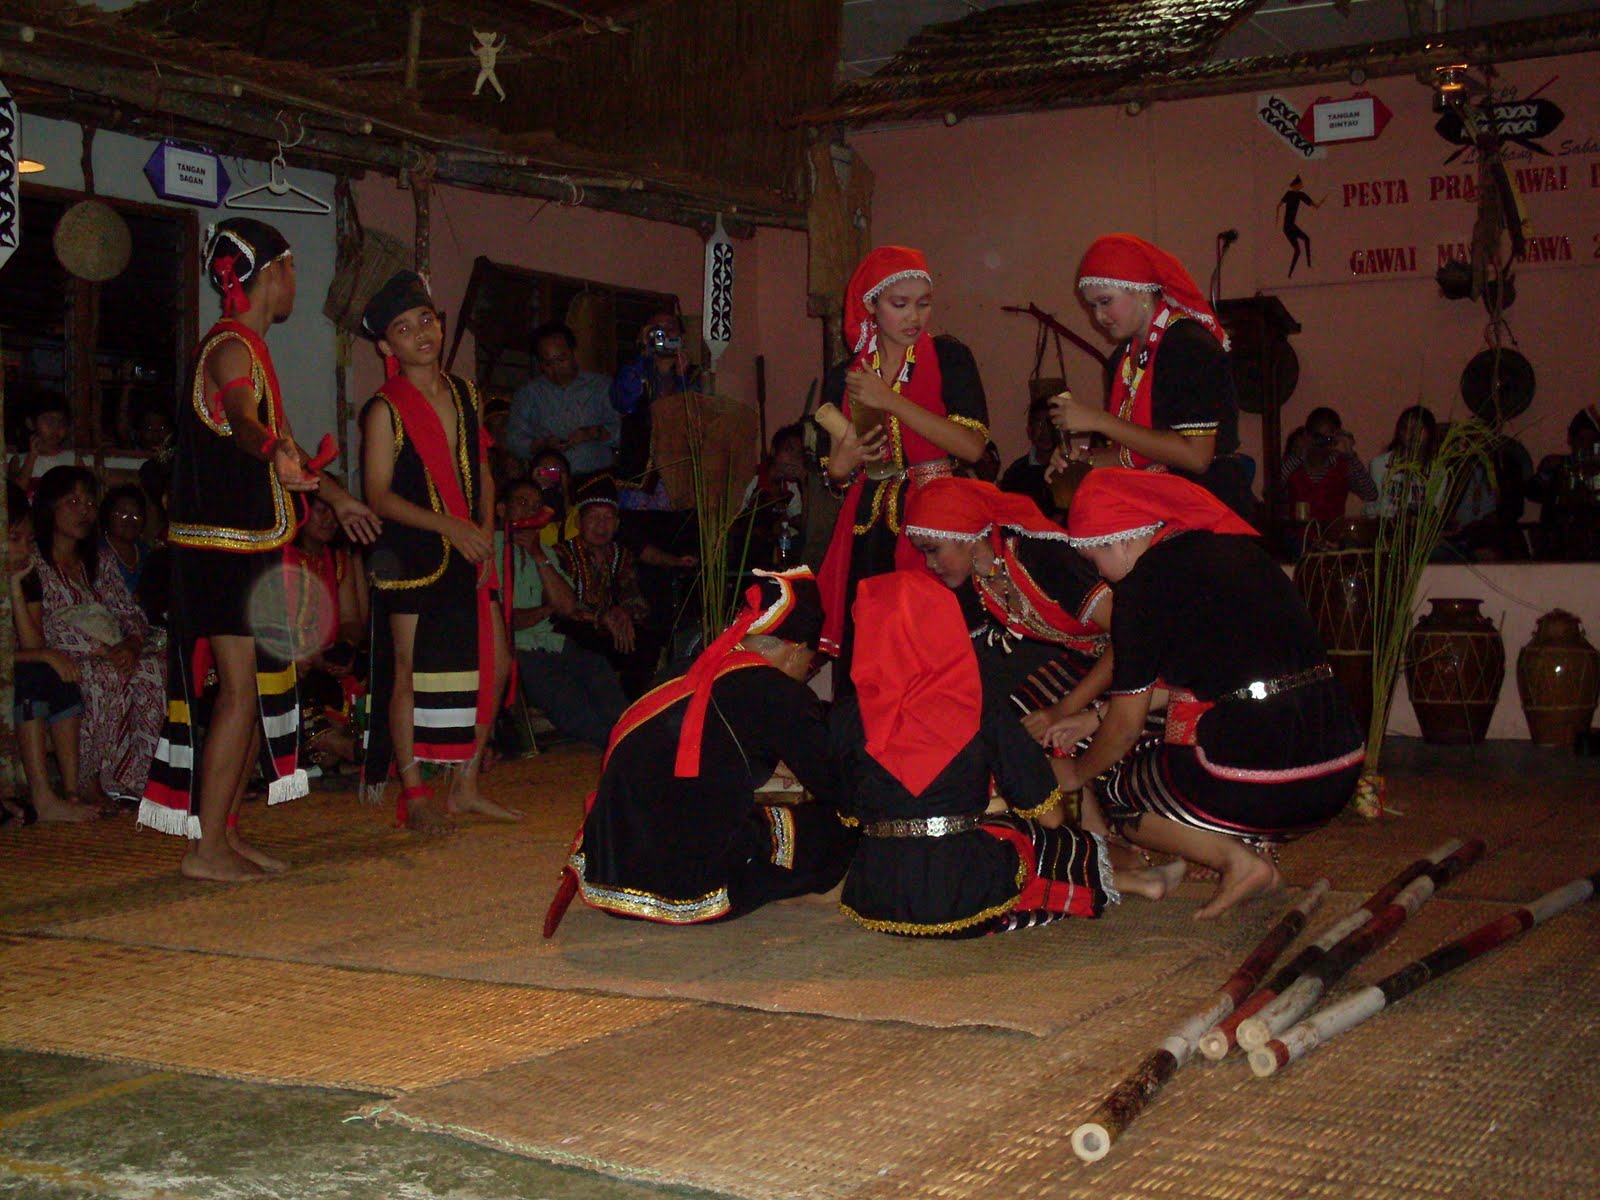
x=1228, y=237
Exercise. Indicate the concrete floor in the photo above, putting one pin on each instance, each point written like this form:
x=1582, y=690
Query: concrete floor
x=75, y=1128
x=82, y=1128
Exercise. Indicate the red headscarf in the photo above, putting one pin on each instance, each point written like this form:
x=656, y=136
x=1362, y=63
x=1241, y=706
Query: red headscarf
x=1124, y=261
x=969, y=510
x=916, y=675
x=1116, y=505
x=884, y=266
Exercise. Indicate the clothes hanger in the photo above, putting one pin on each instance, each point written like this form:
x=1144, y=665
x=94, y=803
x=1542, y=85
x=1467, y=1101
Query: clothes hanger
x=289, y=197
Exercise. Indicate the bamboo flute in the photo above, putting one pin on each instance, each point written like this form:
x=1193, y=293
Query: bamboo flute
x=1216, y=1044
x=1349, y=1012
x=1092, y=1140
x=1303, y=993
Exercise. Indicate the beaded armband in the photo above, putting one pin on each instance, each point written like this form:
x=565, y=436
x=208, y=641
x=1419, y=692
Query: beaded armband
x=1053, y=800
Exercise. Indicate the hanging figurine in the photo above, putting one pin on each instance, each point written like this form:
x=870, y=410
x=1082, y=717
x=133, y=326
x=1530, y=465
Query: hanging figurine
x=486, y=51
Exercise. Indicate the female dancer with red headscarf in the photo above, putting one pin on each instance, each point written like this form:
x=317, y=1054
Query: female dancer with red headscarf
x=917, y=744
x=932, y=395
x=1039, y=613
x=1173, y=403
x=1260, y=743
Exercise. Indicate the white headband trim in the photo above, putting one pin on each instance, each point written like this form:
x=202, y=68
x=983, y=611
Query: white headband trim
x=1089, y=281
x=876, y=289
x=1110, y=539
x=947, y=535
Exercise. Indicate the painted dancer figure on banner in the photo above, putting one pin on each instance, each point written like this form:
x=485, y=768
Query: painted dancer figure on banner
x=1260, y=744
x=486, y=49
x=1289, y=205
x=236, y=475
x=439, y=657
x=676, y=831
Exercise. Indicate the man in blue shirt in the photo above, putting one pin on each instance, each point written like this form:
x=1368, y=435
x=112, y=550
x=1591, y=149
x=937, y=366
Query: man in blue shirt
x=563, y=408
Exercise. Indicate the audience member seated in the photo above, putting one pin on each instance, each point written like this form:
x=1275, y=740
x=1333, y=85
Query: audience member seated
x=123, y=519
x=329, y=606
x=1410, y=451
x=552, y=475
x=564, y=408
x=86, y=612
x=774, y=503
x=1321, y=474
x=576, y=688
x=47, y=705
x=1567, y=487
x=1025, y=476
x=610, y=616
x=47, y=430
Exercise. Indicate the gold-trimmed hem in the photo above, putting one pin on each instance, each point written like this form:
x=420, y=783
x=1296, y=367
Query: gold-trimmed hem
x=635, y=903
x=906, y=927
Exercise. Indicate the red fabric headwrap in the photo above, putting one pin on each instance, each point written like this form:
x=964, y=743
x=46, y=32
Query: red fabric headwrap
x=916, y=675
x=1114, y=502
x=1122, y=260
x=884, y=266
x=234, y=300
x=970, y=508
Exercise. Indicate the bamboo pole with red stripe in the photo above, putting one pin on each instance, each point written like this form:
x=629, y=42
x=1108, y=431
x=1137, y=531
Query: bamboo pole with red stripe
x=1216, y=1044
x=1346, y=1014
x=1302, y=994
x=1093, y=1139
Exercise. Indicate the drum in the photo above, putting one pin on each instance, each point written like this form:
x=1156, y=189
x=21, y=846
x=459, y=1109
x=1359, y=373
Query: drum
x=1336, y=583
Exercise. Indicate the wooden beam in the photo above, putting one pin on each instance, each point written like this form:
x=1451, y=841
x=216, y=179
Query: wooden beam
x=514, y=174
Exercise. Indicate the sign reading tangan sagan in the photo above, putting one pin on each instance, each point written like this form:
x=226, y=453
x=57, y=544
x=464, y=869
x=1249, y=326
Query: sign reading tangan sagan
x=192, y=174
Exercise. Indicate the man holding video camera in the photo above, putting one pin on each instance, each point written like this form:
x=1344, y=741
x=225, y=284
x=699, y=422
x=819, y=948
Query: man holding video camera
x=662, y=369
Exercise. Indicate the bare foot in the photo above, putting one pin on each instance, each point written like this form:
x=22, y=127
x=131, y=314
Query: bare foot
x=55, y=808
x=467, y=799
x=1244, y=875
x=425, y=815
x=220, y=866
x=1153, y=883
x=269, y=864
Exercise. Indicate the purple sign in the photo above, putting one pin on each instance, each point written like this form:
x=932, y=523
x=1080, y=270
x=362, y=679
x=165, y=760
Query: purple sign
x=192, y=174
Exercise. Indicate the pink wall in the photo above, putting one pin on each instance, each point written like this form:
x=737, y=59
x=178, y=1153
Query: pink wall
x=1005, y=206
x=578, y=242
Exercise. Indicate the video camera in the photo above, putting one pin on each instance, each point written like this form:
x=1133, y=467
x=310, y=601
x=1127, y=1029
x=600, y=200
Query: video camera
x=658, y=341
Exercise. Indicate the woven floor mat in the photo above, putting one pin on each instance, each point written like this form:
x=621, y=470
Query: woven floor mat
x=282, y=1022
x=1474, y=1087
x=484, y=894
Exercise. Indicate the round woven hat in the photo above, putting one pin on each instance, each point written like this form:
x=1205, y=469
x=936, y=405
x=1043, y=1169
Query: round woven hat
x=92, y=241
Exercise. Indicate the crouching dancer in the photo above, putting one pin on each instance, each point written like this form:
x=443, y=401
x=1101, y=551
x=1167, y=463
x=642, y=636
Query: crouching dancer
x=919, y=742
x=675, y=833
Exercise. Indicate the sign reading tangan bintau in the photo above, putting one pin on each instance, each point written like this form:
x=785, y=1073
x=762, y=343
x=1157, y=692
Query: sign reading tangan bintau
x=192, y=174
x=1358, y=118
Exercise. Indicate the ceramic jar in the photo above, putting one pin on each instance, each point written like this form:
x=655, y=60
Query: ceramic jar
x=1455, y=664
x=1558, y=679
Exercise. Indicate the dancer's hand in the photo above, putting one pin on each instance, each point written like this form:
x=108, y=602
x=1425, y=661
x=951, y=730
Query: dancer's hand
x=1066, y=732
x=867, y=390
x=290, y=469
x=469, y=540
x=1071, y=415
x=359, y=522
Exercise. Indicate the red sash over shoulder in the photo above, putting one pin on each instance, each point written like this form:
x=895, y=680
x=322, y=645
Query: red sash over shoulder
x=427, y=436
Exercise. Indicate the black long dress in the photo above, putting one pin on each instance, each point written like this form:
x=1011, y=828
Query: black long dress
x=1008, y=871
x=684, y=851
x=1210, y=614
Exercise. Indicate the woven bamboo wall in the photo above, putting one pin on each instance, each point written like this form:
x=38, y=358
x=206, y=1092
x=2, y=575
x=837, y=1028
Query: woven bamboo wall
x=697, y=84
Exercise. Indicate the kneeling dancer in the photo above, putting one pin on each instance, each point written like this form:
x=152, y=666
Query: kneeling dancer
x=1260, y=745
x=918, y=742
x=675, y=833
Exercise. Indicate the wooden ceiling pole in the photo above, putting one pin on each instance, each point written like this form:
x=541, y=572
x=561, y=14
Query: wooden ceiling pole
x=420, y=176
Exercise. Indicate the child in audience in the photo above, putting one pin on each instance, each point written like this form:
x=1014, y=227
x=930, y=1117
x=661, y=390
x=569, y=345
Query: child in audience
x=47, y=705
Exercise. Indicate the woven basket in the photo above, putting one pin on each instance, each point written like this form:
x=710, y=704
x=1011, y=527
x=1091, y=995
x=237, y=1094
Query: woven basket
x=93, y=242
x=380, y=256
x=724, y=433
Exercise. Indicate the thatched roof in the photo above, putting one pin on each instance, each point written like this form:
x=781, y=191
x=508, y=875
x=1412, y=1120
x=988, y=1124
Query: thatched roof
x=1073, y=53
x=620, y=105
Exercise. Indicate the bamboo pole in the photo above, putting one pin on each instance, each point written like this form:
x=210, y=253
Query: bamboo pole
x=1093, y=1139
x=1216, y=1044
x=1297, y=999
x=1335, y=1019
